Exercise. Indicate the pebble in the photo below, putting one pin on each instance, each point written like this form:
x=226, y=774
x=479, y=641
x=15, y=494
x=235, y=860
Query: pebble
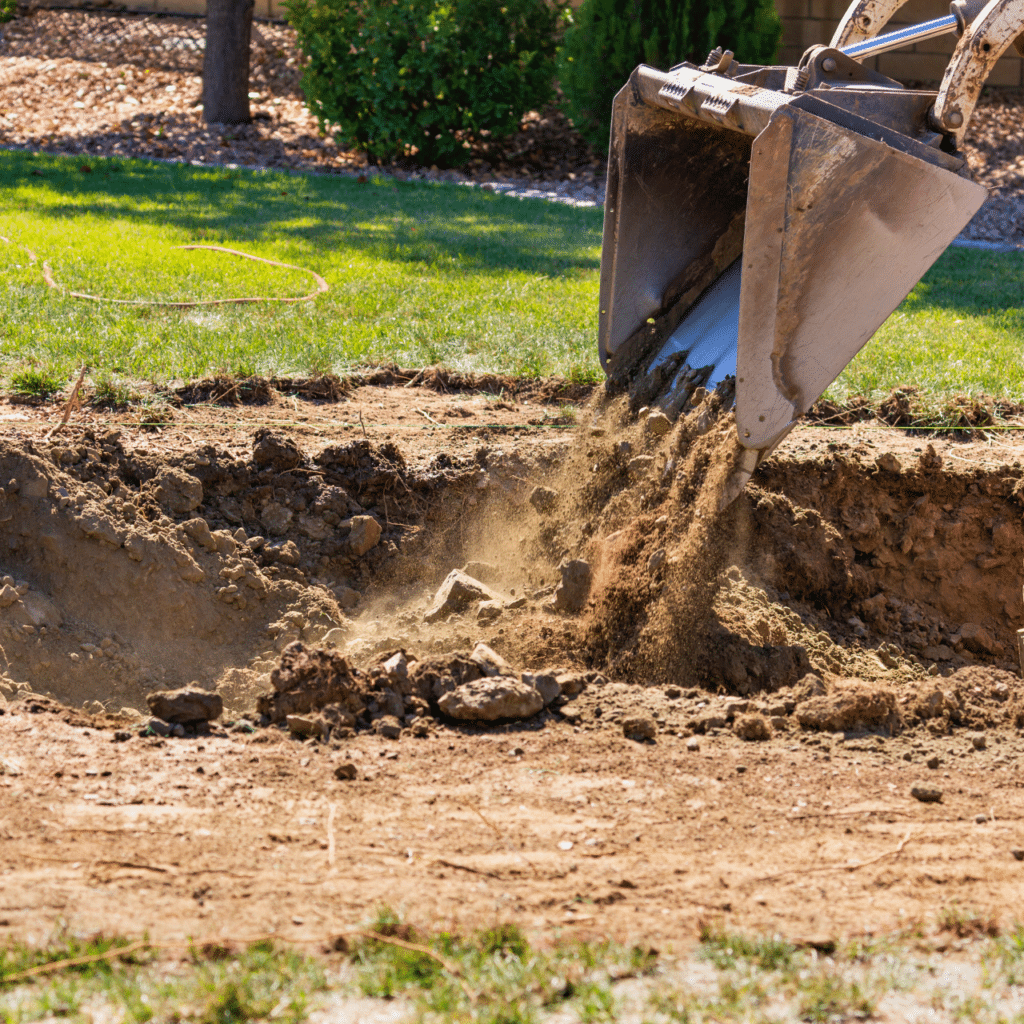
x=345, y=772
x=934, y=762
x=980, y=819
x=693, y=743
x=926, y=794
x=1017, y=853
x=979, y=742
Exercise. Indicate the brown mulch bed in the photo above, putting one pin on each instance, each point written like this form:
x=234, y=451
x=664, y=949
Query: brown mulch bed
x=70, y=82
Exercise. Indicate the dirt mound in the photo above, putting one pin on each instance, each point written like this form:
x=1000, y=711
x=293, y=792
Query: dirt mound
x=601, y=555
x=123, y=574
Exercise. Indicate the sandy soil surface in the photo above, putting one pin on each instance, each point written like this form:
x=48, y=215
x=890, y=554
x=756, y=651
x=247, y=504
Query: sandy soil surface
x=735, y=712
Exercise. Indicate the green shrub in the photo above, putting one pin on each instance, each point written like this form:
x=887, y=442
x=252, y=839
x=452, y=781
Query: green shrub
x=609, y=38
x=420, y=78
x=8, y=9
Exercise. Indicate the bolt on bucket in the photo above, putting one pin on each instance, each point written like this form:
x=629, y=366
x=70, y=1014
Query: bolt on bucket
x=761, y=224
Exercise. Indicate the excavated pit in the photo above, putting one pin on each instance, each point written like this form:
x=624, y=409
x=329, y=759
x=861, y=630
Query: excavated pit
x=855, y=583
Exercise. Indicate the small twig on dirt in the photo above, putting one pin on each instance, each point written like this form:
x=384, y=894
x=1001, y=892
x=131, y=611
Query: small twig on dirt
x=465, y=867
x=131, y=864
x=78, y=961
x=427, y=416
x=414, y=947
x=330, y=835
x=361, y=424
x=70, y=406
x=414, y=381
x=856, y=865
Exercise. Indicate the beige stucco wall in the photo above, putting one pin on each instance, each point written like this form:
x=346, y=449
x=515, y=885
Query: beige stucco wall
x=809, y=22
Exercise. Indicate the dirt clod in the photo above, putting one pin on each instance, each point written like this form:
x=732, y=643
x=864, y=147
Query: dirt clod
x=852, y=705
x=639, y=728
x=312, y=679
x=572, y=592
x=543, y=499
x=185, y=705
x=752, y=727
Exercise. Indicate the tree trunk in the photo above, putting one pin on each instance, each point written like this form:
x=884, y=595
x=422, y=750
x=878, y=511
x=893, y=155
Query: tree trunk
x=226, y=62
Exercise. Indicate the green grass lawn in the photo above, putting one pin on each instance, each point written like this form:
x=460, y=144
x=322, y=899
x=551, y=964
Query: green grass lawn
x=960, y=331
x=419, y=274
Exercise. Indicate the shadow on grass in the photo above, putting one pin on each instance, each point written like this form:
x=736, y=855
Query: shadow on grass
x=973, y=282
x=440, y=225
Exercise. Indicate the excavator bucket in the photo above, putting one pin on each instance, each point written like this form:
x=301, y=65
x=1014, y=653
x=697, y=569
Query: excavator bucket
x=761, y=224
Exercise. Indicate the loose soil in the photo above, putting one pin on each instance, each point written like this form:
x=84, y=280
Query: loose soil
x=853, y=612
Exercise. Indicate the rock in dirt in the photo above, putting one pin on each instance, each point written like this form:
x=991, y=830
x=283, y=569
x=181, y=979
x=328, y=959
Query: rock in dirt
x=486, y=700
x=364, y=535
x=492, y=663
x=307, y=679
x=346, y=772
x=852, y=705
x=304, y=726
x=809, y=685
x=543, y=499
x=189, y=704
x=275, y=519
x=178, y=491
x=572, y=593
x=488, y=611
x=693, y=744
x=388, y=726
x=434, y=677
x=979, y=742
x=8, y=595
x=1017, y=853
x=397, y=668
x=456, y=594
x=639, y=728
x=926, y=794
x=978, y=639
x=572, y=684
x=752, y=727
x=544, y=683
x=347, y=597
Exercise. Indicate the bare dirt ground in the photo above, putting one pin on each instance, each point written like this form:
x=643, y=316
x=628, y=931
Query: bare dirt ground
x=852, y=614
